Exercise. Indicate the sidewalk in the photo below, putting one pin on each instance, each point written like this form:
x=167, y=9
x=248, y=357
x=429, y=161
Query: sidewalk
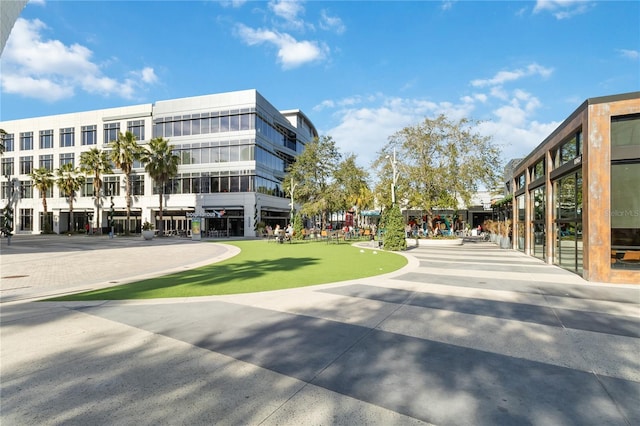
x=468, y=335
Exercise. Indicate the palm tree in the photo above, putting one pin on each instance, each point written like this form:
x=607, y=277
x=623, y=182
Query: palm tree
x=124, y=152
x=69, y=182
x=43, y=181
x=162, y=164
x=96, y=163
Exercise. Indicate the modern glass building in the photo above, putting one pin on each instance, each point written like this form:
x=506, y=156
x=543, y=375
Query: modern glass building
x=233, y=148
x=576, y=197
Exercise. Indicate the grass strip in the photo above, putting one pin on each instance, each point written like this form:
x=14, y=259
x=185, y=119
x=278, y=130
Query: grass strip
x=260, y=266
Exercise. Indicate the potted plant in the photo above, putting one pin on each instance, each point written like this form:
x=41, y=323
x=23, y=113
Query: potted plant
x=147, y=230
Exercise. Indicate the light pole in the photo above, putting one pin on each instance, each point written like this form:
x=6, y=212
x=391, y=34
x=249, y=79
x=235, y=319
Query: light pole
x=293, y=188
x=395, y=175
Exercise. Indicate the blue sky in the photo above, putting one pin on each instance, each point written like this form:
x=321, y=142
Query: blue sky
x=361, y=70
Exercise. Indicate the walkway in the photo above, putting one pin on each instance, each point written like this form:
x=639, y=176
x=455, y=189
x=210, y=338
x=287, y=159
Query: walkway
x=469, y=335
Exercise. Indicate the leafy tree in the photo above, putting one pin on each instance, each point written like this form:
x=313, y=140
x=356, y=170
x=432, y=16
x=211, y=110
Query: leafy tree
x=96, y=163
x=43, y=181
x=161, y=163
x=394, y=235
x=69, y=181
x=124, y=152
x=312, y=175
x=351, y=185
x=439, y=161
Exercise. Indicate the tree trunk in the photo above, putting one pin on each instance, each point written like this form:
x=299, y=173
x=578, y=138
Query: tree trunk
x=127, y=228
x=161, y=224
x=70, y=215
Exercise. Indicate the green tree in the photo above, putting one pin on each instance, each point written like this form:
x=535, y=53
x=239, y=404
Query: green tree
x=351, y=185
x=96, y=163
x=124, y=152
x=43, y=181
x=439, y=162
x=313, y=175
x=394, y=235
x=161, y=162
x=69, y=181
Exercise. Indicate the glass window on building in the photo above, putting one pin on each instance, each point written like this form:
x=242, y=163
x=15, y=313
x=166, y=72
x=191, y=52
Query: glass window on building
x=137, y=128
x=66, y=158
x=26, y=189
x=111, y=185
x=67, y=137
x=46, y=139
x=7, y=142
x=26, y=141
x=568, y=222
x=26, y=165
x=137, y=185
x=625, y=196
x=111, y=131
x=7, y=167
x=520, y=224
x=46, y=161
x=569, y=150
x=539, y=239
x=26, y=219
x=87, y=187
x=537, y=171
x=89, y=135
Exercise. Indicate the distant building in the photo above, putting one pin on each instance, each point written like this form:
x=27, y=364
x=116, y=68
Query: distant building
x=576, y=197
x=233, y=148
x=11, y=9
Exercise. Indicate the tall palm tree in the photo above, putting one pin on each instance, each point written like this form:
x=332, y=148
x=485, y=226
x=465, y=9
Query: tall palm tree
x=43, y=181
x=96, y=162
x=69, y=182
x=162, y=164
x=124, y=152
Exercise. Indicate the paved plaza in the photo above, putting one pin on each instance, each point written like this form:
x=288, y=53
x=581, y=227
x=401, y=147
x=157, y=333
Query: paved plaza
x=469, y=335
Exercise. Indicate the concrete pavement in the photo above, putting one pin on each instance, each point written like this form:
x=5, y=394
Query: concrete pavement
x=471, y=335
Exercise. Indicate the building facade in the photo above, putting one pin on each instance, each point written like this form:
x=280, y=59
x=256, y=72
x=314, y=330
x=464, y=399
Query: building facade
x=576, y=197
x=233, y=148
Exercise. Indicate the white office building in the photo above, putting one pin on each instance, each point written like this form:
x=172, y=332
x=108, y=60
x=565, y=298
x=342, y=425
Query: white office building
x=233, y=148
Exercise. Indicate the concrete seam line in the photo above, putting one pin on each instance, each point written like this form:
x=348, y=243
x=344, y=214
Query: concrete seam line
x=341, y=354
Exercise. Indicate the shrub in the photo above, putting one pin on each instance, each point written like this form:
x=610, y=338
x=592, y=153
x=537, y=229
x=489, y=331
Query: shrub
x=394, y=235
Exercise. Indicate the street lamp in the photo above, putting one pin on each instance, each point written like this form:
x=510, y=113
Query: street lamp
x=293, y=188
x=395, y=175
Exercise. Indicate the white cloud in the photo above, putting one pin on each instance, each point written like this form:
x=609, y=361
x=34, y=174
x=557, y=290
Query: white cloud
x=291, y=52
x=508, y=76
x=288, y=10
x=563, y=9
x=363, y=127
x=331, y=23
x=41, y=88
x=630, y=54
x=50, y=70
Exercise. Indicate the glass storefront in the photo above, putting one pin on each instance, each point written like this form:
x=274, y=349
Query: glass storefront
x=625, y=195
x=520, y=224
x=568, y=222
x=538, y=235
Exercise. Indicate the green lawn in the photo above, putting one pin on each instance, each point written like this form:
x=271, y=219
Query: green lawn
x=260, y=266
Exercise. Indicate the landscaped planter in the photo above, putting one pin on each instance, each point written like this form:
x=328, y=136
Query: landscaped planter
x=148, y=234
x=434, y=242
